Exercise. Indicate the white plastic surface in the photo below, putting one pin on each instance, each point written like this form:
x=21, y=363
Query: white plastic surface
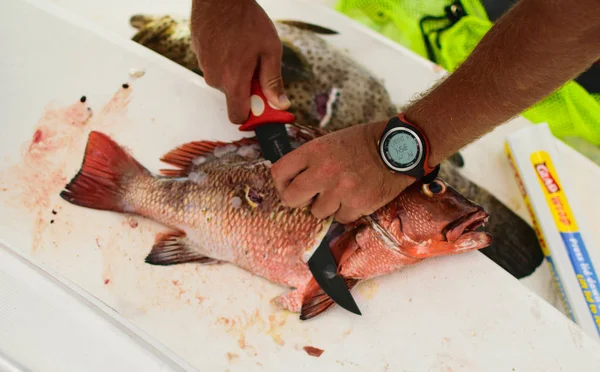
x=39, y=312
x=461, y=313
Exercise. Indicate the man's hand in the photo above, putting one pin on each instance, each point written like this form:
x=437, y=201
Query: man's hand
x=232, y=39
x=342, y=172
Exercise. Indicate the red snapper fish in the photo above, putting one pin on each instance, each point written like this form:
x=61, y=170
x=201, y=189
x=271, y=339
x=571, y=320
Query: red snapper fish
x=221, y=206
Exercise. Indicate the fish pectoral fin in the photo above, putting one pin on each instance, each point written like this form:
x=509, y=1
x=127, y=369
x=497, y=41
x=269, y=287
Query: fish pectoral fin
x=316, y=301
x=294, y=66
x=173, y=248
x=184, y=156
x=308, y=27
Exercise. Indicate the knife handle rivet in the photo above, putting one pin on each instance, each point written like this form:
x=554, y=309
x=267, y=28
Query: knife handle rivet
x=257, y=105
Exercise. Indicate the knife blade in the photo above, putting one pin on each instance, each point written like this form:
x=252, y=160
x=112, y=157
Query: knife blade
x=268, y=123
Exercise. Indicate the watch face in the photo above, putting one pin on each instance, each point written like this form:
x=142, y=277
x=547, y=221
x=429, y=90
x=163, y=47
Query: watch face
x=401, y=148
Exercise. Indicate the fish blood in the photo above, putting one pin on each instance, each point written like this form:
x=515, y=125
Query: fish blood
x=252, y=197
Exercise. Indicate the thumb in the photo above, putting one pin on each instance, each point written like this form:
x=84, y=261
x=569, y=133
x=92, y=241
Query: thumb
x=271, y=81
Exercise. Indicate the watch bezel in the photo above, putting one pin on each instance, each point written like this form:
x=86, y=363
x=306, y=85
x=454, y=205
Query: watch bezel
x=415, y=162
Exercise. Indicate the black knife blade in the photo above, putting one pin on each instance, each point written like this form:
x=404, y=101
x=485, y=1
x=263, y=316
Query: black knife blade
x=273, y=140
x=324, y=269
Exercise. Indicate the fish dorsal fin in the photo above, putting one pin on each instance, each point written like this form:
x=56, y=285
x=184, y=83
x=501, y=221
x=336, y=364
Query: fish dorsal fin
x=294, y=66
x=172, y=248
x=197, y=152
x=308, y=27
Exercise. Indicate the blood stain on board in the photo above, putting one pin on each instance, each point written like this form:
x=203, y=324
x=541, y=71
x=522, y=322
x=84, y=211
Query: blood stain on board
x=313, y=351
x=368, y=289
x=106, y=281
x=132, y=223
x=48, y=158
x=239, y=325
x=242, y=341
x=274, y=331
x=232, y=356
x=37, y=137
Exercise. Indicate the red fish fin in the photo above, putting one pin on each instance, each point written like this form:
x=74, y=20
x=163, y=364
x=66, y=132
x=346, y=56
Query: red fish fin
x=102, y=181
x=173, y=172
x=183, y=156
x=173, y=248
x=316, y=301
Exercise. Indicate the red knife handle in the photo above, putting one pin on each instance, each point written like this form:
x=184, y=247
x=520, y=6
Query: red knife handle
x=261, y=111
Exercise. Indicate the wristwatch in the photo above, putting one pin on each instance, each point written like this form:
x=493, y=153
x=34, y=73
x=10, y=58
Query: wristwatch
x=404, y=149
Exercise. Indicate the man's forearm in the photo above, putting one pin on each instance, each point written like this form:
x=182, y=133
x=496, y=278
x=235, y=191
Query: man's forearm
x=530, y=52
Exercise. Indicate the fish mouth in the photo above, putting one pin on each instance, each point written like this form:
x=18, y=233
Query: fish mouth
x=463, y=228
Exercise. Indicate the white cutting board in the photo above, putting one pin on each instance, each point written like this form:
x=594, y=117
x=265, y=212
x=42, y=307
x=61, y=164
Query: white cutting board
x=458, y=313
x=75, y=330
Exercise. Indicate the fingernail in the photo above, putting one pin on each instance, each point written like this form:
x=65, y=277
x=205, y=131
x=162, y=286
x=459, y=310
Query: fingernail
x=283, y=100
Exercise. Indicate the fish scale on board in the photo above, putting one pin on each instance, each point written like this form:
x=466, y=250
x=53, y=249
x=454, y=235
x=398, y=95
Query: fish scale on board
x=330, y=90
x=221, y=205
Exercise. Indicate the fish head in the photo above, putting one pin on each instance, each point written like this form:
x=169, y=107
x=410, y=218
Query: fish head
x=425, y=220
x=438, y=214
x=432, y=219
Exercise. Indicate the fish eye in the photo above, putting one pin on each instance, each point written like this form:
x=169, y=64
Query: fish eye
x=436, y=187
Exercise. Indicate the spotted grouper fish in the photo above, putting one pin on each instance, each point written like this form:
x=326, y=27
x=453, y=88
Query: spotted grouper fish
x=221, y=206
x=325, y=86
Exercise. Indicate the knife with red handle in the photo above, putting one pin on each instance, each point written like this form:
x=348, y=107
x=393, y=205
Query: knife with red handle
x=268, y=123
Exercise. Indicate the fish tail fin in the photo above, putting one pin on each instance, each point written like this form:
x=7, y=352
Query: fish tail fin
x=315, y=299
x=106, y=172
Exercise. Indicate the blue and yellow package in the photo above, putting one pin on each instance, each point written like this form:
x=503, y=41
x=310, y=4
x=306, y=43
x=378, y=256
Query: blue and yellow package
x=558, y=222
